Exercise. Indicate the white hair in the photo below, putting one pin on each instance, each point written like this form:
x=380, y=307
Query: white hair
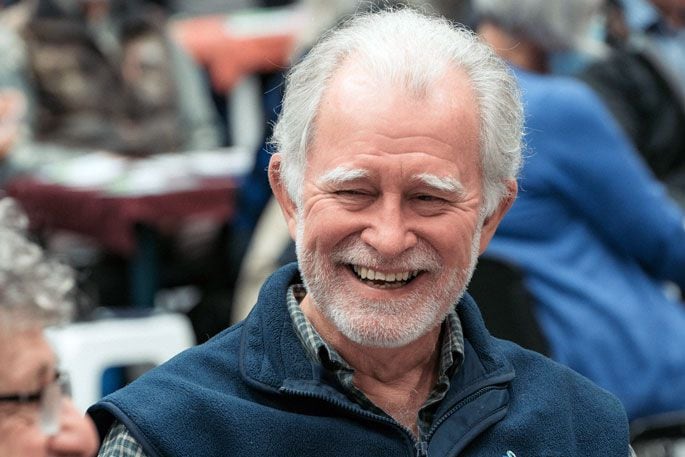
x=34, y=291
x=554, y=25
x=411, y=52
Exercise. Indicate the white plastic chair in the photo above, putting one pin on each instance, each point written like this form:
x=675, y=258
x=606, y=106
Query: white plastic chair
x=86, y=349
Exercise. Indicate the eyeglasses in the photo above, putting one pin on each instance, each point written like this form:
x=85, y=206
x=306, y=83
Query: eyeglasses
x=49, y=399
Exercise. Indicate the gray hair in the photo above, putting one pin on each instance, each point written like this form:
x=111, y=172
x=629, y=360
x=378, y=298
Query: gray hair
x=34, y=291
x=412, y=52
x=554, y=25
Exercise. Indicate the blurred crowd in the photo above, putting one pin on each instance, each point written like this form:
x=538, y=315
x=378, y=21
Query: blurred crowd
x=596, y=236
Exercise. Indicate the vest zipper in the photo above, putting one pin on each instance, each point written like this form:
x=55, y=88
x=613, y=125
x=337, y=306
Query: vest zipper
x=464, y=401
x=417, y=445
x=421, y=445
x=421, y=448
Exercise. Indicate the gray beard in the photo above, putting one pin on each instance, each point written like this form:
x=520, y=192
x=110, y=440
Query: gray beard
x=381, y=323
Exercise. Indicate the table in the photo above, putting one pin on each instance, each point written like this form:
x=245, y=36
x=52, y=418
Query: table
x=126, y=225
x=239, y=44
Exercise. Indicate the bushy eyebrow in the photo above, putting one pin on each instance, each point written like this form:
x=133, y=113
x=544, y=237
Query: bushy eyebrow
x=341, y=175
x=442, y=183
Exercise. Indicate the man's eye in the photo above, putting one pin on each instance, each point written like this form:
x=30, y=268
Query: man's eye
x=351, y=192
x=429, y=198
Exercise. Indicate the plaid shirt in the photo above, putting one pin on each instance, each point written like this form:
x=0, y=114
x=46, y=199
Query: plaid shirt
x=120, y=443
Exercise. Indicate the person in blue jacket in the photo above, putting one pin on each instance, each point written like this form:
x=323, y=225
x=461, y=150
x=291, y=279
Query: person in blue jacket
x=594, y=232
x=398, y=147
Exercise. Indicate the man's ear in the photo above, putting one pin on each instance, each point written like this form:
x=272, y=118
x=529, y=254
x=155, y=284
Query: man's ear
x=288, y=206
x=492, y=221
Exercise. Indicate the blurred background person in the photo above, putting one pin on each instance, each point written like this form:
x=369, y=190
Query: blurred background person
x=455, y=10
x=36, y=418
x=102, y=75
x=642, y=82
x=12, y=91
x=592, y=230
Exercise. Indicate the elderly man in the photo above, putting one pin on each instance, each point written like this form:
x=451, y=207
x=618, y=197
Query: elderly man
x=399, y=143
x=36, y=419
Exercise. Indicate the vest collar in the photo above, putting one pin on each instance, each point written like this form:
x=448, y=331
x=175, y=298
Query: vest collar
x=271, y=355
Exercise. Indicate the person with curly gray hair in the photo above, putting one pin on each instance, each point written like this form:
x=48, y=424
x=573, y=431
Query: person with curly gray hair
x=36, y=418
x=398, y=147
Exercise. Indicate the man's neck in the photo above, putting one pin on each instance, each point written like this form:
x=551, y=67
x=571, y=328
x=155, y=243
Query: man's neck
x=398, y=380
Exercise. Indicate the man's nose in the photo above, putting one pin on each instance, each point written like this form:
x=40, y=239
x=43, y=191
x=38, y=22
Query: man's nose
x=388, y=230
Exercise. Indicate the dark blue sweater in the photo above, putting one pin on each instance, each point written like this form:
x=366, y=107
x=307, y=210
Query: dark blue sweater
x=252, y=391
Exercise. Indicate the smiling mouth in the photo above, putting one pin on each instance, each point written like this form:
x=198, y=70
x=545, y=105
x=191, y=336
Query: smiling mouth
x=382, y=280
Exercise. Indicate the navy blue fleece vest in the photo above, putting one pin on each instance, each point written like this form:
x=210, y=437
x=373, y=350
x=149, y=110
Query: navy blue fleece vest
x=252, y=391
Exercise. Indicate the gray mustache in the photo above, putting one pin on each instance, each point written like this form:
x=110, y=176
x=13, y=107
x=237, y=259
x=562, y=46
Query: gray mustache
x=355, y=251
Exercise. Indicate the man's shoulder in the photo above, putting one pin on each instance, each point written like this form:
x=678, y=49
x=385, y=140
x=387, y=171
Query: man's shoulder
x=537, y=379
x=552, y=410
x=177, y=387
x=558, y=386
x=217, y=357
x=222, y=371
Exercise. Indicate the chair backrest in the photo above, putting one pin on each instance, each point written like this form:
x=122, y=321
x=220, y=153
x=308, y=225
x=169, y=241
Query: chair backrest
x=86, y=349
x=662, y=435
x=507, y=306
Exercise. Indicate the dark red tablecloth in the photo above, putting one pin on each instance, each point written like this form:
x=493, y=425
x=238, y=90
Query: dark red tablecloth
x=111, y=220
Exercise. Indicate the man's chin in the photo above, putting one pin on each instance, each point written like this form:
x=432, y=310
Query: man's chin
x=386, y=332
x=375, y=341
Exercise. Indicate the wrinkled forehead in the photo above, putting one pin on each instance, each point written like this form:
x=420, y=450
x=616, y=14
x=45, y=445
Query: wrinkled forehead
x=357, y=90
x=362, y=76
x=358, y=103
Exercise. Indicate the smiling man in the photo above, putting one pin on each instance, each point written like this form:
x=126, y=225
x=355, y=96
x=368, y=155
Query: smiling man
x=398, y=148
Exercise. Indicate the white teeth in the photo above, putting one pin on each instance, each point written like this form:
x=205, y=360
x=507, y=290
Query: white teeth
x=367, y=273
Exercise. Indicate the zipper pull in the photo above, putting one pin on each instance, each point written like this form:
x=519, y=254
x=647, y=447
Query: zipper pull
x=421, y=449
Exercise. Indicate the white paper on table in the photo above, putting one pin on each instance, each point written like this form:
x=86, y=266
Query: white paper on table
x=159, y=173
x=234, y=161
x=93, y=170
